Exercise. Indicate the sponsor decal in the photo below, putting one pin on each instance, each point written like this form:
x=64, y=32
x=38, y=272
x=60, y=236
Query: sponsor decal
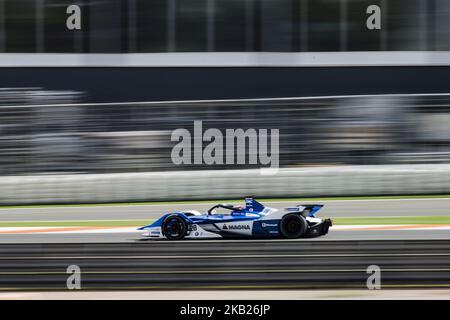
x=236, y=227
x=269, y=225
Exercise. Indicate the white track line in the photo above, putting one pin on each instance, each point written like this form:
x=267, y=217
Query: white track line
x=257, y=256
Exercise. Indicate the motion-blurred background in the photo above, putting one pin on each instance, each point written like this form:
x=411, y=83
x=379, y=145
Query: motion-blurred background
x=74, y=128
x=130, y=26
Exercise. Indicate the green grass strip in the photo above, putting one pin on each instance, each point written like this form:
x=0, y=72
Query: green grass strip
x=318, y=199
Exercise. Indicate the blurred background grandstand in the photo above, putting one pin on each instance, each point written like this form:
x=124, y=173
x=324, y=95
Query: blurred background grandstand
x=37, y=136
x=62, y=118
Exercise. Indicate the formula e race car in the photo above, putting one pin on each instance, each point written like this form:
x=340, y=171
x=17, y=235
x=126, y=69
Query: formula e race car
x=252, y=220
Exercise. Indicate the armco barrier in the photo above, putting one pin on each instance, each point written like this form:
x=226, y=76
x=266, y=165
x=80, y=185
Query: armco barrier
x=222, y=184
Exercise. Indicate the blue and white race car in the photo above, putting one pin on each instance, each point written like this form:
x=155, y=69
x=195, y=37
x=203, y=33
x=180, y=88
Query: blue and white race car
x=251, y=220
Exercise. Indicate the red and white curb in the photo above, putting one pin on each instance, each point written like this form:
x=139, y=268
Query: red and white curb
x=75, y=230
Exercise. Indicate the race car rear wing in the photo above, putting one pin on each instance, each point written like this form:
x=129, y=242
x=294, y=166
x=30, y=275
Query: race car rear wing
x=252, y=205
x=308, y=210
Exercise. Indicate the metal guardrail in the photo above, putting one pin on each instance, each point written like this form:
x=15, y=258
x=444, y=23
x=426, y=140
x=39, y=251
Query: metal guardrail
x=222, y=184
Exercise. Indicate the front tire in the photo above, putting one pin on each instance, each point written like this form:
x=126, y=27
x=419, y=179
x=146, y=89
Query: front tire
x=293, y=226
x=174, y=227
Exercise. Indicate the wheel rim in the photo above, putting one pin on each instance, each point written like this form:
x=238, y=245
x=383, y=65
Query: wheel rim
x=292, y=226
x=173, y=228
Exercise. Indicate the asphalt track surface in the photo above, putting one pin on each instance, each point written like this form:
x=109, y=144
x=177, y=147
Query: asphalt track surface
x=231, y=264
x=125, y=261
x=134, y=237
x=333, y=208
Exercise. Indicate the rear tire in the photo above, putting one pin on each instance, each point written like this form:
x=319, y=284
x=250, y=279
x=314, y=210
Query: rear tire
x=174, y=227
x=293, y=226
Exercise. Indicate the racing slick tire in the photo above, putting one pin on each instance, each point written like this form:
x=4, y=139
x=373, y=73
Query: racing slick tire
x=293, y=226
x=174, y=227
